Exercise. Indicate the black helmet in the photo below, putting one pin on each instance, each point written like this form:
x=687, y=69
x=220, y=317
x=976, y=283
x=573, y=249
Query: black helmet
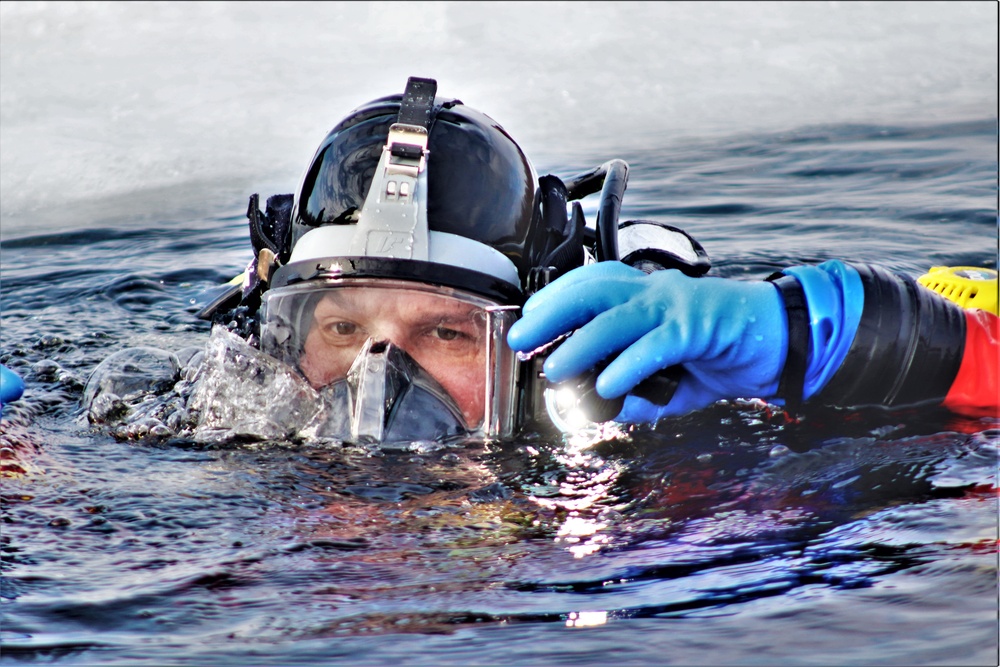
x=481, y=185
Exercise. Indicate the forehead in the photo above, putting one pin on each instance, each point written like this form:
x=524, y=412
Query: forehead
x=377, y=301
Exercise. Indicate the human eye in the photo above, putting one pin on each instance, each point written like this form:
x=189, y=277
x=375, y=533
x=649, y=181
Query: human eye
x=448, y=334
x=453, y=336
x=344, y=328
x=341, y=332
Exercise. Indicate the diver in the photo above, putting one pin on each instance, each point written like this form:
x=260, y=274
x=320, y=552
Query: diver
x=426, y=283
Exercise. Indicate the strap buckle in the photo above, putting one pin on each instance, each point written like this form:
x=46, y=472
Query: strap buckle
x=407, y=148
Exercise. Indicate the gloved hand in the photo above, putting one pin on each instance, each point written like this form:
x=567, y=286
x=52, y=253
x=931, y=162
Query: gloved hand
x=730, y=336
x=11, y=385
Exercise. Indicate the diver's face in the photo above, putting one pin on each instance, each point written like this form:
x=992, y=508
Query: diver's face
x=447, y=337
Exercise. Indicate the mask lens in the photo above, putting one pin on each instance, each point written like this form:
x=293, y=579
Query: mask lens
x=454, y=341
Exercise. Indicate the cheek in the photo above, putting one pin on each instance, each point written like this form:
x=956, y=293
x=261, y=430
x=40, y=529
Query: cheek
x=467, y=385
x=321, y=363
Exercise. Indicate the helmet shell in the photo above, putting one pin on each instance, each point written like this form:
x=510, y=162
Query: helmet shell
x=480, y=184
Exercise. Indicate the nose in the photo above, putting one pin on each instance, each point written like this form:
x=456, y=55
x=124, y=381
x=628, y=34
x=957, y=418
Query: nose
x=390, y=332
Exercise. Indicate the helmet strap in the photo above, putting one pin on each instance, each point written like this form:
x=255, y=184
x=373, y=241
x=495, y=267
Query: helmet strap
x=393, y=220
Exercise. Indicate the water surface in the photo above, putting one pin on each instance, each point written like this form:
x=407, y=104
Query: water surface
x=730, y=536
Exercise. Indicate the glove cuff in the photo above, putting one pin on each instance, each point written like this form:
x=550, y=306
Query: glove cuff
x=793, y=375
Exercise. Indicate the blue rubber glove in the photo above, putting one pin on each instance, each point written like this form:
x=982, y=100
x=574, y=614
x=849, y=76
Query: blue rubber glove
x=730, y=336
x=11, y=385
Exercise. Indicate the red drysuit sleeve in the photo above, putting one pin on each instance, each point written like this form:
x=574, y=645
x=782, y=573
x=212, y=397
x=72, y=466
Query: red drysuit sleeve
x=975, y=389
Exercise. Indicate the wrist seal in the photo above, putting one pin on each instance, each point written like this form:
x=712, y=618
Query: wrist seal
x=793, y=375
x=907, y=349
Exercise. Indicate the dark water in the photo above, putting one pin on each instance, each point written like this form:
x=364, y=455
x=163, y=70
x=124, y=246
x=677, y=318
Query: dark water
x=730, y=536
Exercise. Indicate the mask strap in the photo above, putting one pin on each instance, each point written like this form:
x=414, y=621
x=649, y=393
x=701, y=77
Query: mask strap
x=393, y=221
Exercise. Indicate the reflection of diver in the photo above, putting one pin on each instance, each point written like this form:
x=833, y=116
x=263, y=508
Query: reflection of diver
x=393, y=278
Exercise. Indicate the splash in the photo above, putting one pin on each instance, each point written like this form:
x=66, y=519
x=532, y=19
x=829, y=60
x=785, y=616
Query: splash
x=240, y=391
x=227, y=391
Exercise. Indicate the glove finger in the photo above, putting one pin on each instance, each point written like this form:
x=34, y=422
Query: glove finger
x=690, y=395
x=660, y=348
x=640, y=411
x=577, y=304
x=607, y=334
x=569, y=282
